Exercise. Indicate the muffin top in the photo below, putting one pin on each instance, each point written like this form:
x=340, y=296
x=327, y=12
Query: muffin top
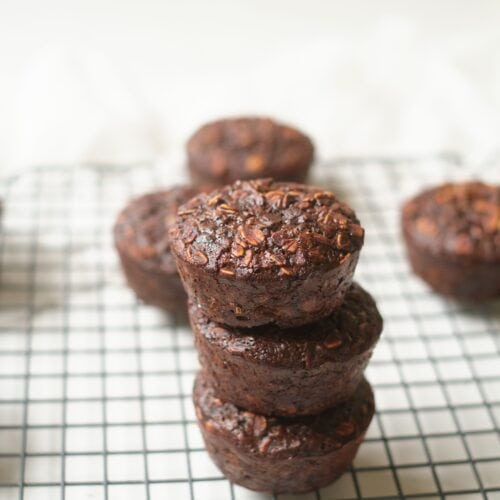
x=278, y=437
x=266, y=227
x=141, y=229
x=459, y=221
x=248, y=148
x=350, y=331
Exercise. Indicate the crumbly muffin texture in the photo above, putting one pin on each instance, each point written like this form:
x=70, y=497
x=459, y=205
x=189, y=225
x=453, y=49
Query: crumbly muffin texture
x=348, y=332
x=264, y=226
x=290, y=371
x=278, y=436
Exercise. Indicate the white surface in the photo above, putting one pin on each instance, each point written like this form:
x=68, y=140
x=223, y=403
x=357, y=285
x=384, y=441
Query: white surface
x=91, y=380
x=119, y=82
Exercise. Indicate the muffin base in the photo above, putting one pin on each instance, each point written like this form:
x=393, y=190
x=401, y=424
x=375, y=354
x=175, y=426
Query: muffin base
x=253, y=301
x=282, y=455
x=155, y=287
x=290, y=372
x=467, y=281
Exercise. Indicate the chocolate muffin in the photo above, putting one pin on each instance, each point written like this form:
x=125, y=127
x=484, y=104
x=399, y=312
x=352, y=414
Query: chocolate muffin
x=227, y=150
x=282, y=455
x=141, y=238
x=452, y=235
x=259, y=252
x=296, y=371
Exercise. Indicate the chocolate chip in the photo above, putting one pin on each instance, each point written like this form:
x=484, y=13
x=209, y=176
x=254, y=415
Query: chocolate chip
x=356, y=230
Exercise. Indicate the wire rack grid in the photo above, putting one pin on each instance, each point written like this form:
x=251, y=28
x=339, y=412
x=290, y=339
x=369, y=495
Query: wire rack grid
x=95, y=388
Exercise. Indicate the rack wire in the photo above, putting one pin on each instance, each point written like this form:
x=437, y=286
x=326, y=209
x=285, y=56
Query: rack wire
x=95, y=387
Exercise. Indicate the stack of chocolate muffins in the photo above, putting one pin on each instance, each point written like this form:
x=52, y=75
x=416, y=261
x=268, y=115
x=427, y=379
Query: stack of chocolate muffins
x=282, y=332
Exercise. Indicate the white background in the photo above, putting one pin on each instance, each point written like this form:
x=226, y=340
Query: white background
x=125, y=81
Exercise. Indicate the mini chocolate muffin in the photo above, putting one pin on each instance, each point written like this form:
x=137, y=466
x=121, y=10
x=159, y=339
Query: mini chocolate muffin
x=224, y=151
x=452, y=235
x=296, y=371
x=277, y=454
x=141, y=238
x=259, y=252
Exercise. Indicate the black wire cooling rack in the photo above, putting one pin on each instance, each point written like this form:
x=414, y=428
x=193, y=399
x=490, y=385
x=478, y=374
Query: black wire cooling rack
x=95, y=388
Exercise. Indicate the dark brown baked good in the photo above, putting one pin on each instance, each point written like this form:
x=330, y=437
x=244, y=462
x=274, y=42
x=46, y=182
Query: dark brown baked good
x=452, y=235
x=296, y=371
x=141, y=238
x=277, y=454
x=227, y=150
x=259, y=252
